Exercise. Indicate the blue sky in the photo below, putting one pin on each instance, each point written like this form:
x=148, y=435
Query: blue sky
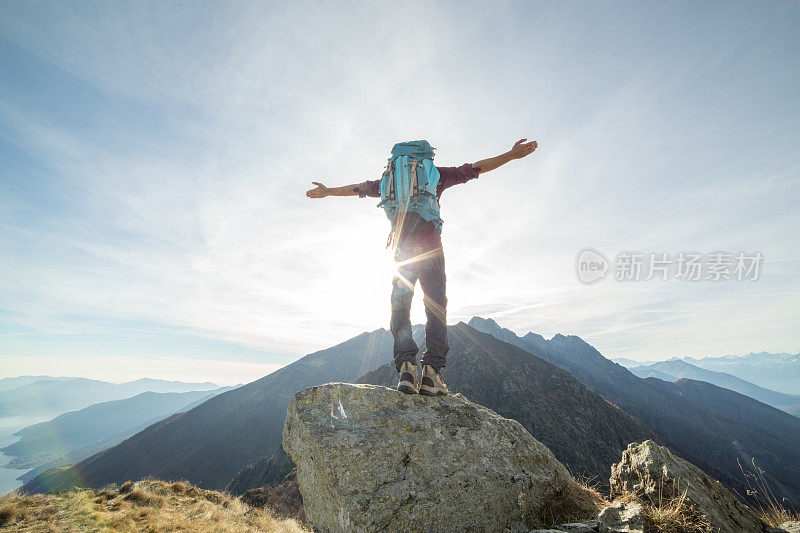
x=154, y=158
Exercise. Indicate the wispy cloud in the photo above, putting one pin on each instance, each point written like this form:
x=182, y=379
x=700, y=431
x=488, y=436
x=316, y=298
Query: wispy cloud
x=155, y=159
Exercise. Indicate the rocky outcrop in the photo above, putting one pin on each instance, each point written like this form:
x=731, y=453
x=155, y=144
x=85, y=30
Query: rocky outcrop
x=586, y=433
x=653, y=473
x=370, y=459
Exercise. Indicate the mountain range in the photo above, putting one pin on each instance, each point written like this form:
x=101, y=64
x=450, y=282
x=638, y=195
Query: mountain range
x=18, y=381
x=775, y=371
x=675, y=369
x=73, y=436
x=695, y=427
x=583, y=406
x=45, y=395
x=212, y=442
x=233, y=441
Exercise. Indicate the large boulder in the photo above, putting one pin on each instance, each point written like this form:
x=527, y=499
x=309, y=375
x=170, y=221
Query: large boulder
x=372, y=459
x=653, y=473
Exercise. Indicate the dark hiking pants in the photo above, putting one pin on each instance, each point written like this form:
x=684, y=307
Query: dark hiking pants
x=429, y=270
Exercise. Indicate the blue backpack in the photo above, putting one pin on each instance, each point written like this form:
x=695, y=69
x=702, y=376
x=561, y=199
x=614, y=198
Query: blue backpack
x=408, y=184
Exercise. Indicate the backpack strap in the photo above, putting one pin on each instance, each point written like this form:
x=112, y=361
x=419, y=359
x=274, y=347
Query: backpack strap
x=390, y=185
x=390, y=196
x=423, y=190
x=412, y=170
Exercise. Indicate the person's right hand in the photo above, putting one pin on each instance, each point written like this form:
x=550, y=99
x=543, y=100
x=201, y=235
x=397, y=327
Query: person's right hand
x=521, y=148
x=320, y=191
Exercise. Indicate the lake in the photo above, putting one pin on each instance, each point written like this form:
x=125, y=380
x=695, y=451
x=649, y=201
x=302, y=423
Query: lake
x=8, y=426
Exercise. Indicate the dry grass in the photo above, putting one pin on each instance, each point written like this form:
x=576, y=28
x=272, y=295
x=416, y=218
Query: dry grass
x=673, y=514
x=148, y=505
x=669, y=513
x=772, y=511
x=580, y=501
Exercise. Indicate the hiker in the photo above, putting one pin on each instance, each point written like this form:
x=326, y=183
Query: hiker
x=410, y=190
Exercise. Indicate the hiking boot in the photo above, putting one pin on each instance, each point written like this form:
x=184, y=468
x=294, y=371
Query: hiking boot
x=432, y=382
x=408, y=378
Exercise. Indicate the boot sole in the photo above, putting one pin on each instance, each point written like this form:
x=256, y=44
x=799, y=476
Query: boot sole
x=408, y=389
x=431, y=392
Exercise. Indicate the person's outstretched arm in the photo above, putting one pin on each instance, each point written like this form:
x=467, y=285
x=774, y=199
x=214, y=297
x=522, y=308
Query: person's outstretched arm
x=322, y=191
x=362, y=190
x=518, y=151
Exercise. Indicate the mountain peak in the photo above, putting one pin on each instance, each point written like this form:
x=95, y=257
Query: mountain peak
x=571, y=339
x=480, y=321
x=531, y=335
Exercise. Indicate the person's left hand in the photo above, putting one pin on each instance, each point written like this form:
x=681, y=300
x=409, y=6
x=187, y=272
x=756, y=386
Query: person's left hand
x=320, y=191
x=521, y=148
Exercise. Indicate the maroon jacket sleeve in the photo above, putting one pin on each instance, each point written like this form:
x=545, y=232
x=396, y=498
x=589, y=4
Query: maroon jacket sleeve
x=449, y=176
x=369, y=188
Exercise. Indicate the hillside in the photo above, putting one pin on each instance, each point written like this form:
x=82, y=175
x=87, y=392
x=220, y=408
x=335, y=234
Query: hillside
x=266, y=472
x=153, y=506
x=713, y=439
x=584, y=431
x=211, y=443
x=755, y=423
x=73, y=436
x=675, y=369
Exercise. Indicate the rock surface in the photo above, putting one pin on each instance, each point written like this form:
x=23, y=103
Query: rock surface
x=371, y=459
x=652, y=472
x=588, y=527
x=622, y=517
x=586, y=433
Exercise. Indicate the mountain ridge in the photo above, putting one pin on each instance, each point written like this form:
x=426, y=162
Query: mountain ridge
x=73, y=436
x=709, y=439
x=774, y=371
x=210, y=444
x=675, y=369
x=57, y=396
